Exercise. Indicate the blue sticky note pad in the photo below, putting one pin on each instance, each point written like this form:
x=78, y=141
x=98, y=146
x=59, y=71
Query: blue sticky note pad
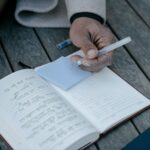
x=63, y=73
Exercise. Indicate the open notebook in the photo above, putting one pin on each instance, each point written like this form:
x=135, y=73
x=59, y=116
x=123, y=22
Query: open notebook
x=35, y=114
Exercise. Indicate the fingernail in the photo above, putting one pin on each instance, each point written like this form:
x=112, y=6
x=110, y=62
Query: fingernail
x=92, y=53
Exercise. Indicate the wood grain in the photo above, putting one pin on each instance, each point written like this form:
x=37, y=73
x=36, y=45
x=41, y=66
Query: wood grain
x=118, y=138
x=50, y=37
x=22, y=45
x=142, y=9
x=125, y=22
x=4, y=65
x=32, y=46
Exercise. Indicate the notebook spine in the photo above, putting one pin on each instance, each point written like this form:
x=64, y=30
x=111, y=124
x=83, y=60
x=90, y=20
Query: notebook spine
x=4, y=145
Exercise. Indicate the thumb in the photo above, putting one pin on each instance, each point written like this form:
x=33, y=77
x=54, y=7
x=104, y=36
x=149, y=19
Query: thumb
x=89, y=49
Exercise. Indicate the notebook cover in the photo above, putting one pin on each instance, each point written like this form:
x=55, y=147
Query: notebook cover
x=142, y=142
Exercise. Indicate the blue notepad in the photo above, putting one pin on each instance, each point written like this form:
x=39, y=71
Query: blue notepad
x=63, y=73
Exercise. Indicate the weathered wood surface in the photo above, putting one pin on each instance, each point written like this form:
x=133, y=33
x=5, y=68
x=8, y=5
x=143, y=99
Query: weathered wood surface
x=129, y=71
x=38, y=46
x=22, y=45
x=4, y=65
x=118, y=138
x=142, y=121
x=51, y=37
x=125, y=22
x=141, y=7
x=129, y=23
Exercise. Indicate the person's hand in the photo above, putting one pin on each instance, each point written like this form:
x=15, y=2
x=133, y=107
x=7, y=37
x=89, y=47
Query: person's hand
x=90, y=36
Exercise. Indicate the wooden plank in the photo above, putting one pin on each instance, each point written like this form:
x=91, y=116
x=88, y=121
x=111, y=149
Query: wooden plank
x=4, y=70
x=122, y=28
x=21, y=44
x=125, y=22
x=142, y=9
x=131, y=129
x=142, y=121
x=50, y=37
x=128, y=70
x=4, y=65
x=125, y=67
x=118, y=138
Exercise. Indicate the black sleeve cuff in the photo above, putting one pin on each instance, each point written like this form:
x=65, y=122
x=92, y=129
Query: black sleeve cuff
x=87, y=14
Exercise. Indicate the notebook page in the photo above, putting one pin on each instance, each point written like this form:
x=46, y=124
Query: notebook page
x=34, y=116
x=105, y=99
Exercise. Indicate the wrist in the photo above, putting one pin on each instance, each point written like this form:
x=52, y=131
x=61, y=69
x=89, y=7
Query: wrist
x=88, y=15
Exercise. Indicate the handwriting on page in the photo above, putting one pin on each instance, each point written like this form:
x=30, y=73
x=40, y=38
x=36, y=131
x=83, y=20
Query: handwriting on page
x=42, y=114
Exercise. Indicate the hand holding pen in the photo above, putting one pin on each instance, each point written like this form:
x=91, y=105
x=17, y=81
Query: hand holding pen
x=109, y=48
x=95, y=40
x=90, y=36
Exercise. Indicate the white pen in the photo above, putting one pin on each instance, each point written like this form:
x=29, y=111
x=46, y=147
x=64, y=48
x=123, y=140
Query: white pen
x=110, y=48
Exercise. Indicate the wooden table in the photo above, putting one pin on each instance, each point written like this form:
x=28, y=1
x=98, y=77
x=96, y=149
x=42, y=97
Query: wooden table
x=37, y=46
